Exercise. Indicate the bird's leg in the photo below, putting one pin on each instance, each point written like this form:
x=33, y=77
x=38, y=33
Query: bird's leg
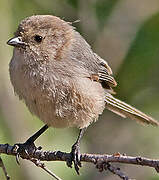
x=75, y=152
x=29, y=145
x=36, y=135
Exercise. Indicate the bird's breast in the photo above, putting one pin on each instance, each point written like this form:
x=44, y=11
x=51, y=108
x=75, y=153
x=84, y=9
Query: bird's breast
x=59, y=102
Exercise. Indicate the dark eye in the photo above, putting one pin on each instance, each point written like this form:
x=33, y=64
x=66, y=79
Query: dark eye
x=38, y=38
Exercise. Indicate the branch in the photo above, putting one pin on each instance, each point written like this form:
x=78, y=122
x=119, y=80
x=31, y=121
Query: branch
x=102, y=162
x=42, y=165
x=4, y=169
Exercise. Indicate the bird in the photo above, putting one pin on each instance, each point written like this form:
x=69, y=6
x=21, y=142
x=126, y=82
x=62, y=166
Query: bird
x=61, y=80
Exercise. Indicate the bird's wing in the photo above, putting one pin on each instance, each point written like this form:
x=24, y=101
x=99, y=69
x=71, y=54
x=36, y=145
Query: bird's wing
x=104, y=75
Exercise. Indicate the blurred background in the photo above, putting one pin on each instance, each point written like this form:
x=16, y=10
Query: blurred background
x=126, y=34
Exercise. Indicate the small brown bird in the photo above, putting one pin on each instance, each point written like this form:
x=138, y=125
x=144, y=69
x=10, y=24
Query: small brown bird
x=61, y=80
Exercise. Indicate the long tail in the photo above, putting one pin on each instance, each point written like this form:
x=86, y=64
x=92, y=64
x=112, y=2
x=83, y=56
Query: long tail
x=125, y=110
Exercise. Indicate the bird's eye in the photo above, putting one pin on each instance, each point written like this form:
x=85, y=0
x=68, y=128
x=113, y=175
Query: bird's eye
x=38, y=38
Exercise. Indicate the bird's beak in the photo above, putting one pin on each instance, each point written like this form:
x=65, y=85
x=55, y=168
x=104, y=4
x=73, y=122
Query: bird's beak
x=16, y=41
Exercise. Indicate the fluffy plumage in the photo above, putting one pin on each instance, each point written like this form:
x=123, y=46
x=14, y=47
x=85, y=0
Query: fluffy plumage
x=60, y=78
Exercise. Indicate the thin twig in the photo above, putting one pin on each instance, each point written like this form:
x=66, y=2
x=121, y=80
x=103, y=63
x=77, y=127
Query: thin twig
x=116, y=171
x=38, y=163
x=4, y=169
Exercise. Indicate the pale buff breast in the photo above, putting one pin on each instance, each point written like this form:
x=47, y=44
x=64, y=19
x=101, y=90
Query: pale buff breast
x=67, y=103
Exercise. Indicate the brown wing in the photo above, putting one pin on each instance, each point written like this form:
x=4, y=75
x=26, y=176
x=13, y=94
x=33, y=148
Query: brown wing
x=104, y=76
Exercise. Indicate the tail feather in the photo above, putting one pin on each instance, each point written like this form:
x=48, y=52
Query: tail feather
x=125, y=110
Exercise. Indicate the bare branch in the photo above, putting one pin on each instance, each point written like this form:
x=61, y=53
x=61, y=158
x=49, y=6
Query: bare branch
x=4, y=169
x=105, y=159
x=116, y=171
x=38, y=163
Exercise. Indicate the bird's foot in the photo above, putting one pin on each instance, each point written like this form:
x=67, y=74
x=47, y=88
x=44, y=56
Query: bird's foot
x=26, y=149
x=75, y=158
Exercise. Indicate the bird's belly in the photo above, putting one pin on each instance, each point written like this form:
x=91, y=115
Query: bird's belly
x=62, y=105
x=47, y=107
x=61, y=112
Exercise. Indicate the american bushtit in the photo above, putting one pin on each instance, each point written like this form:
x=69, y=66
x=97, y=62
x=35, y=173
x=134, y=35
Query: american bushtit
x=60, y=78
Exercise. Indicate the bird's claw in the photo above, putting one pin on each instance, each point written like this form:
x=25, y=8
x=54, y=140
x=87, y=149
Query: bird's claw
x=26, y=149
x=75, y=158
x=17, y=158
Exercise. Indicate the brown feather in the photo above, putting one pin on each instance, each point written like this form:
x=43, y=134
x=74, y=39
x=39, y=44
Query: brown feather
x=121, y=108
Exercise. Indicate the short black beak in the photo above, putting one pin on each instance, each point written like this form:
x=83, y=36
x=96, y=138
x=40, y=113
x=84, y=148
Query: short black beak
x=16, y=41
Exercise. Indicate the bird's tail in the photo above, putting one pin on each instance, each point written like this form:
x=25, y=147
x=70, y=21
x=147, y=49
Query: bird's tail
x=125, y=110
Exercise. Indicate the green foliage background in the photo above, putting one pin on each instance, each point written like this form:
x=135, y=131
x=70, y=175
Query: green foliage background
x=124, y=31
